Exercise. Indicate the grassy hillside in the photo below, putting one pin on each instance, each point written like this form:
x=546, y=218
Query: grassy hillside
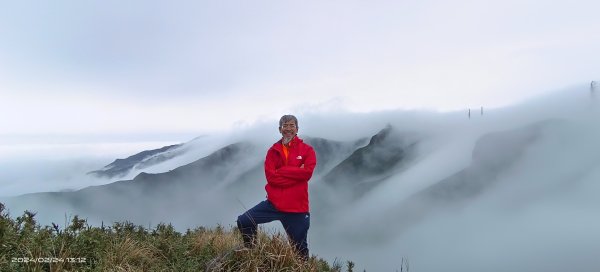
x=27, y=246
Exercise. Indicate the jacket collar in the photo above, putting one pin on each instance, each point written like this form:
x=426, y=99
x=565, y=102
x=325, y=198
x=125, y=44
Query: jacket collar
x=293, y=143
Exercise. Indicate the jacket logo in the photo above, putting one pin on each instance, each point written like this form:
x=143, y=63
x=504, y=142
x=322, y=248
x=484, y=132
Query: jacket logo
x=299, y=157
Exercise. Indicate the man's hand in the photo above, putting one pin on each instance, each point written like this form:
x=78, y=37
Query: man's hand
x=302, y=166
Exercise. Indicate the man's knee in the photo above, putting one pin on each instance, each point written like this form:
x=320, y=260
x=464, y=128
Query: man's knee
x=240, y=221
x=244, y=221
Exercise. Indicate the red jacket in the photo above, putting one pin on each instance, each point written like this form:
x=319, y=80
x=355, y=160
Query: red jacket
x=287, y=183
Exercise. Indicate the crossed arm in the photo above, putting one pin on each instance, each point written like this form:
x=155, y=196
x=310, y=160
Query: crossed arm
x=286, y=176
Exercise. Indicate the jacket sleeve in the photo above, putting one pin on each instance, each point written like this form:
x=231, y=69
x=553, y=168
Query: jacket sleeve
x=300, y=174
x=271, y=172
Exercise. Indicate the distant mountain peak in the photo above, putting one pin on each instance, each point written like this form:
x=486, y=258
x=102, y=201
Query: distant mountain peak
x=369, y=165
x=120, y=167
x=381, y=135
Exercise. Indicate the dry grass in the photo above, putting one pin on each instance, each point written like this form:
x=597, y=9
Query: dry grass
x=127, y=247
x=269, y=254
x=217, y=240
x=123, y=255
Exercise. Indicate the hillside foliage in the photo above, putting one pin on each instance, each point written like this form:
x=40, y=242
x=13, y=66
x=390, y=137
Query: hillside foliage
x=25, y=245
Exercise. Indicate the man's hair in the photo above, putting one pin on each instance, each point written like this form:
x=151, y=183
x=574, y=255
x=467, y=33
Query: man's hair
x=287, y=118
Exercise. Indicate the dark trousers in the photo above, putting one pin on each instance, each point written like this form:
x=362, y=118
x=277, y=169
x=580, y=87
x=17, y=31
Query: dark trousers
x=295, y=224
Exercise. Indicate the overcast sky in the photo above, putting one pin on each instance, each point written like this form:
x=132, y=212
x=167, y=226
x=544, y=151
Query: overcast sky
x=123, y=67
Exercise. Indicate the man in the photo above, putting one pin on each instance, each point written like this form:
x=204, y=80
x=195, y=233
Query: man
x=288, y=168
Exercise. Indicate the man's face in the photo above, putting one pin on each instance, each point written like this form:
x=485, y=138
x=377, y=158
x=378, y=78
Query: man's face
x=288, y=130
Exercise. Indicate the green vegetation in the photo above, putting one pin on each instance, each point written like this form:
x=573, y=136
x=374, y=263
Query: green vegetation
x=27, y=246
